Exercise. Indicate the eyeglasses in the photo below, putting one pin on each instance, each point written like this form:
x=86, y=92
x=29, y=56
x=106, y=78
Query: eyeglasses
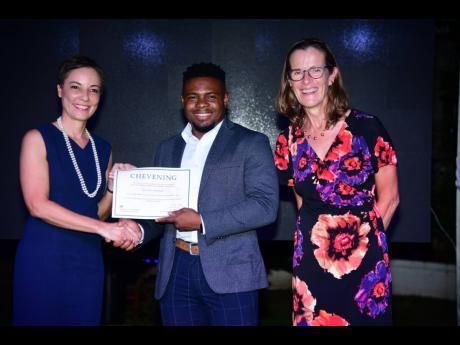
x=313, y=72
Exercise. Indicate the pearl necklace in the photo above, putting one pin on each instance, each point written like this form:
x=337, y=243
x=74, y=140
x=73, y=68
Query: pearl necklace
x=75, y=164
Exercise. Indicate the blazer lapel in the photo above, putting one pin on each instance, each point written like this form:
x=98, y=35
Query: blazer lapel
x=178, y=151
x=217, y=151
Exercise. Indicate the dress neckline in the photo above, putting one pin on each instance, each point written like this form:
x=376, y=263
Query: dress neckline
x=344, y=125
x=71, y=140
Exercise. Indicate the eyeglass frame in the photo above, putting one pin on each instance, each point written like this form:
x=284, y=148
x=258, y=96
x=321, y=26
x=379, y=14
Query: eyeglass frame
x=308, y=72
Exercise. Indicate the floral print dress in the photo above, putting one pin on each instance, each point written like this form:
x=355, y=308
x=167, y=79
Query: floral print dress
x=341, y=273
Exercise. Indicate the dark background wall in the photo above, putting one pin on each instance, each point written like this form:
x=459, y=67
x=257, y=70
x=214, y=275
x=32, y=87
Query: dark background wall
x=387, y=66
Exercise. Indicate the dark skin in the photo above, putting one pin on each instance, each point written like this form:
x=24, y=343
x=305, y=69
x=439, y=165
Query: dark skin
x=204, y=100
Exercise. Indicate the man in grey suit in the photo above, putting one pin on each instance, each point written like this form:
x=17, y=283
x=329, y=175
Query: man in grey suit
x=210, y=265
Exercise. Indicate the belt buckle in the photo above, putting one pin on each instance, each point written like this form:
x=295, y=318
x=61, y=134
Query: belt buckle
x=190, y=249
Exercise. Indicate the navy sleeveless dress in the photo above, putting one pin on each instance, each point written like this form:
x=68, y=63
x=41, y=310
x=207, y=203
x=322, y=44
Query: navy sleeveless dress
x=59, y=273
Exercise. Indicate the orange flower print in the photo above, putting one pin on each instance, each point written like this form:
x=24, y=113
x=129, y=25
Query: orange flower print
x=345, y=189
x=304, y=303
x=293, y=149
x=324, y=173
x=373, y=215
x=373, y=296
x=304, y=308
x=342, y=243
x=343, y=146
x=281, y=153
x=385, y=259
x=296, y=136
x=352, y=163
x=384, y=153
x=379, y=290
x=326, y=319
x=302, y=163
x=281, y=163
x=281, y=146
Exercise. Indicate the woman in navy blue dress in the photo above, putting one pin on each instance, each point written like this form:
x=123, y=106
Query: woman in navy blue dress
x=59, y=271
x=342, y=166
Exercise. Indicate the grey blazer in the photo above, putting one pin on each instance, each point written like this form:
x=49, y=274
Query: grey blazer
x=238, y=194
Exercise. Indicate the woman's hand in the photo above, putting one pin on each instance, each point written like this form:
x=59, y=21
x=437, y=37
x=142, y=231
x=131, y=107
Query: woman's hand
x=113, y=232
x=134, y=234
x=120, y=234
x=115, y=167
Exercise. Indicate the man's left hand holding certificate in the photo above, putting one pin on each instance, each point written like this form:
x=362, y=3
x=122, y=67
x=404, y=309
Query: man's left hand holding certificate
x=150, y=193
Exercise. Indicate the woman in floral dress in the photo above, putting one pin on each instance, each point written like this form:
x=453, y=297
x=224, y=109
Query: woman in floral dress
x=342, y=166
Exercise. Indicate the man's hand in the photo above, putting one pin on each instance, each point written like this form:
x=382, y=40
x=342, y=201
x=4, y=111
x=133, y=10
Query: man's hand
x=132, y=233
x=185, y=219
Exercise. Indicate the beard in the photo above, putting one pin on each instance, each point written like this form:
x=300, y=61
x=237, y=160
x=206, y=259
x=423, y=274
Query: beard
x=203, y=129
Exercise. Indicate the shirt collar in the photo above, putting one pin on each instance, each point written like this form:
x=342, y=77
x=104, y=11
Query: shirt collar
x=187, y=134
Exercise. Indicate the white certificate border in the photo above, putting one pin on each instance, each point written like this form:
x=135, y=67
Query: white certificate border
x=114, y=208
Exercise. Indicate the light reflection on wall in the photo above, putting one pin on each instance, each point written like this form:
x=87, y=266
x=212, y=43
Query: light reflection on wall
x=256, y=112
x=145, y=46
x=264, y=47
x=363, y=41
x=252, y=92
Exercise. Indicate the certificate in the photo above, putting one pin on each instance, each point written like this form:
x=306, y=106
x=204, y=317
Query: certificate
x=150, y=193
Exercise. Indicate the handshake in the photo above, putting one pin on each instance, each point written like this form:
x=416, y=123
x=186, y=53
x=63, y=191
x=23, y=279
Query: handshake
x=125, y=234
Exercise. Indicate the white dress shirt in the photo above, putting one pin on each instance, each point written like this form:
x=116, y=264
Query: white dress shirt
x=194, y=157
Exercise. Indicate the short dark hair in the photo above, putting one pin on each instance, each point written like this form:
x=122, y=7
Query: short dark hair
x=204, y=69
x=78, y=61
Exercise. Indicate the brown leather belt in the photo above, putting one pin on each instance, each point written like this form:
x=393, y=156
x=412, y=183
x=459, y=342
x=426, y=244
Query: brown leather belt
x=192, y=248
